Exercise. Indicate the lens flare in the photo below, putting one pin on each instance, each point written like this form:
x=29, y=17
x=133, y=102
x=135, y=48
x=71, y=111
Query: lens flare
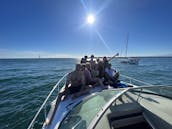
x=90, y=19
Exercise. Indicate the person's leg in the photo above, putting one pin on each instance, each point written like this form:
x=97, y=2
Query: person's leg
x=99, y=81
x=116, y=77
x=81, y=92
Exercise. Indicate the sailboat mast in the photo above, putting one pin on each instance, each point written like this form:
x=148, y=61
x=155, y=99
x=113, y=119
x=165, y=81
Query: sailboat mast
x=126, y=49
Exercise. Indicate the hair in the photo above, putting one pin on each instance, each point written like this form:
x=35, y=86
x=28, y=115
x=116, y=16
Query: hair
x=109, y=65
x=92, y=56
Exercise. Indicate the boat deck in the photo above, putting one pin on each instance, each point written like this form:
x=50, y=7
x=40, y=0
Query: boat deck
x=68, y=103
x=150, y=110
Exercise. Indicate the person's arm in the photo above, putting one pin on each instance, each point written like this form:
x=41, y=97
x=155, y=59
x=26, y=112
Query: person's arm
x=82, y=81
x=68, y=81
x=114, y=70
x=89, y=76
x=65, y=90
x=106, y=71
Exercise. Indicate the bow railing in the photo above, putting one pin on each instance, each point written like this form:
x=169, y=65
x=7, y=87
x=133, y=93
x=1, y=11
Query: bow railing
x=57, y=86
x=131, y=80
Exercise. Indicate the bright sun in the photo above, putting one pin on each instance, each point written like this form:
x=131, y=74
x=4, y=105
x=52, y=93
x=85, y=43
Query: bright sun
x=90, y=19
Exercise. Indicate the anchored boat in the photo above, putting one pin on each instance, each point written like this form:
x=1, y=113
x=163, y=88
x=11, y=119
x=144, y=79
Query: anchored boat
x=130, y=61
x=140, y=105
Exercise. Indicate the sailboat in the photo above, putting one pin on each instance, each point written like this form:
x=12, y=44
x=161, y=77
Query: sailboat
x=130, y=60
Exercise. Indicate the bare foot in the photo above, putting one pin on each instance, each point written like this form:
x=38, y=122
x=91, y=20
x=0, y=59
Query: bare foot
x=63, y=97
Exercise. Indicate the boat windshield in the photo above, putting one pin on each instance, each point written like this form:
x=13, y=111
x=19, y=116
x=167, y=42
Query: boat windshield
x=155, y=100
x=84, y=113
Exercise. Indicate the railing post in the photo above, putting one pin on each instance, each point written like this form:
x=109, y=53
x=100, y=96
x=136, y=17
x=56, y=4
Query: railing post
x=130, y=80
x=45, y=111
x=139, y=94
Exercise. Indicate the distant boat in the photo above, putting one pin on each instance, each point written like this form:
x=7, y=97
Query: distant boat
x=129, y=60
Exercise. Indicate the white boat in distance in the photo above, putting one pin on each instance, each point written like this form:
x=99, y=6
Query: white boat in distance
x=140, y=105
x=130, y=61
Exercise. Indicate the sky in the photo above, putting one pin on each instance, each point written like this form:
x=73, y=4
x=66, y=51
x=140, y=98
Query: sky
x=59, y=28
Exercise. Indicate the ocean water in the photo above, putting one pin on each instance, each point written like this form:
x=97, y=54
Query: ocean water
x=25, y=83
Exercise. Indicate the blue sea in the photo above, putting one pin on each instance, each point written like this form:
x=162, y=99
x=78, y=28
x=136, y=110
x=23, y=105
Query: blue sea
x=25, y=83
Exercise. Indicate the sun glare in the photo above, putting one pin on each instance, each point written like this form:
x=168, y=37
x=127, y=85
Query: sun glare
x=90, y=19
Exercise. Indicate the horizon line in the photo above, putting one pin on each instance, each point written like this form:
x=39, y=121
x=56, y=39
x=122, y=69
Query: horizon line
x=81, y=57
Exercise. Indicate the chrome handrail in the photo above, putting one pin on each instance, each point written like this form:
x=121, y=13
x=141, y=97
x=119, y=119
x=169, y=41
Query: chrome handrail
x=45, y=101
x=151, y=86
x=145, y=83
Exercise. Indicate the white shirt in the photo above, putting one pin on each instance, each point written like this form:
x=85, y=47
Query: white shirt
x=111, y=72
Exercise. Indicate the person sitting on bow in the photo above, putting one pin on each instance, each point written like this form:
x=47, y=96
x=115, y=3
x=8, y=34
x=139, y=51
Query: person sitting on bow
x=111, y=75
x=74, y=84
x=84, y=60
x=91, y=79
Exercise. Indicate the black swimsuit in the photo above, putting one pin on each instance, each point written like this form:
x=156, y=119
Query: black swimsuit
x=73, y=90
